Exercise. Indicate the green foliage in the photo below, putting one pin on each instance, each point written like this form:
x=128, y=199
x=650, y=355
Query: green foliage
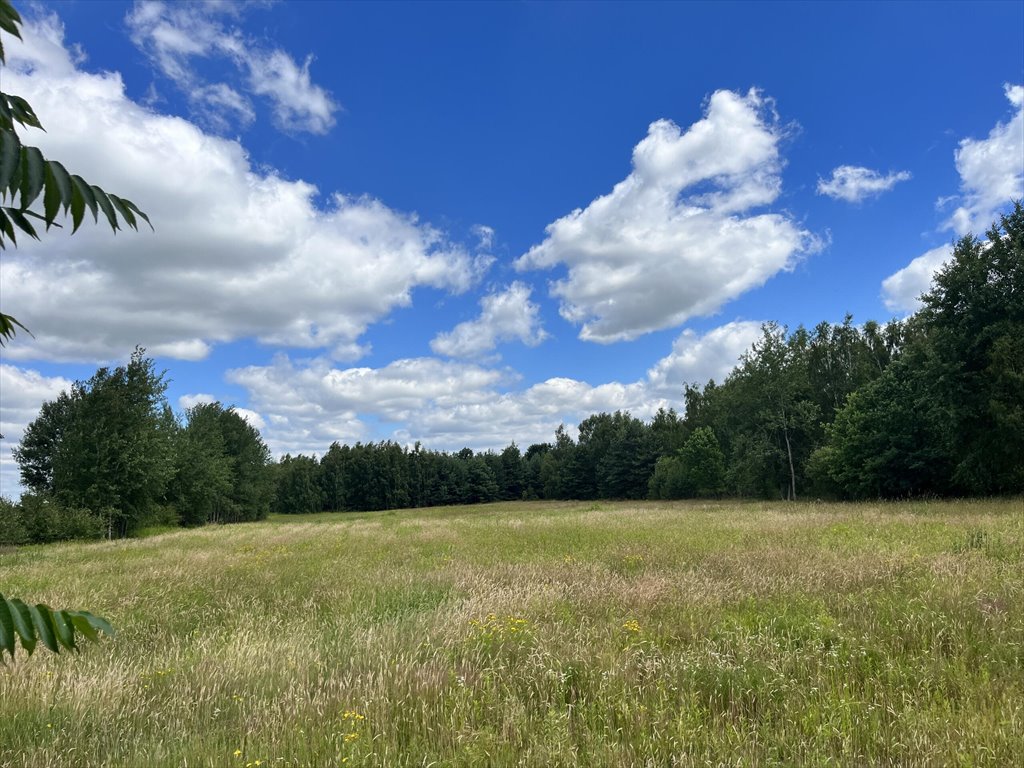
x=510, y=477
x=887, y=441
x=297, y=490
x=948, y=416
x=974, y=315
x=40, y=519
x=26, y=177
x=704, y=463
x=106, y=446
x=697, y=469
x=30, y=625
x=668, y=431
x=202, y=471
x=12, y=527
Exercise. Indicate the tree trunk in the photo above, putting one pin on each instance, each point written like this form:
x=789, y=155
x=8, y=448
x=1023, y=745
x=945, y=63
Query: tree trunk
x=792, y=473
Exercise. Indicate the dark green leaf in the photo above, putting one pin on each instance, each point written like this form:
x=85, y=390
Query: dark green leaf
x=139, y=213
x=32, y=175
x=81, y=623
x=23, y=112
x=87, y=194
x=51, y=196
x=6, y=629
x=22, y=222
x=104, y=203
x=7, y=323
x=64, y=629
x=124, y=210
x=101, y=624
x=77, y=208
x=10, y=154
x=60, y=175
x=42, y=619
x=7, y=229
x=23, y=624
x=9, y=20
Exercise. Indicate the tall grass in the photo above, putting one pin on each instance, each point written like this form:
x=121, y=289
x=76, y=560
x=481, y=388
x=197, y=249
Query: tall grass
x=641, y=634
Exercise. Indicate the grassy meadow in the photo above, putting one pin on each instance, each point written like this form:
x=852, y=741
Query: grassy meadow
x=536, y=634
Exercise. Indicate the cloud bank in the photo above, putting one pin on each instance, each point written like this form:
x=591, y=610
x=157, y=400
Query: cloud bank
x=238, y=252
x=453, y=404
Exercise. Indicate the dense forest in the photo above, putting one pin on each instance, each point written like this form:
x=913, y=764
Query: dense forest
x=929, y=405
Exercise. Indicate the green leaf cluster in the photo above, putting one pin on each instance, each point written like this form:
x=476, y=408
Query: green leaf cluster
x=30, y=625
x=26, y=176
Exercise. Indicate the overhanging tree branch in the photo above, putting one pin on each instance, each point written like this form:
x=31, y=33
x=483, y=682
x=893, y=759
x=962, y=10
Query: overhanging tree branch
x=26, y=176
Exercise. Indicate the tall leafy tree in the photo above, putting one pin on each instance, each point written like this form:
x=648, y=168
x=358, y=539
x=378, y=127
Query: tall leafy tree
x=974, y=315
x=297, y=490
x=105, y=446
x=669, y=431
x=512, y=473
x=696, y=469
x=625, y=468
x=250, y=491
x=889, y=439
x=703, y=464
x=203, y=476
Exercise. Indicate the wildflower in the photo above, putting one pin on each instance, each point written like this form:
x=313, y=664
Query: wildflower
x=350, y=737
x=632, y=626
x=237, y=753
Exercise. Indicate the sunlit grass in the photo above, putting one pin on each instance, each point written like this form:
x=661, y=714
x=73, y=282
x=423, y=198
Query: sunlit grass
x=537, y=634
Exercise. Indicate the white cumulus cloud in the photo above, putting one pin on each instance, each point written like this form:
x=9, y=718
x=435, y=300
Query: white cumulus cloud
x=238, y=252
x=505, y=316
x=991, y=170
x=854, y=184
x=901, y=290
x=677, y=238
x=695, y=358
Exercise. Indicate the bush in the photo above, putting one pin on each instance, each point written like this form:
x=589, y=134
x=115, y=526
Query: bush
x=45, y=519
x=12, y=526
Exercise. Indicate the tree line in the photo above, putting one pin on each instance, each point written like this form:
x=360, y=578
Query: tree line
x=929, y=405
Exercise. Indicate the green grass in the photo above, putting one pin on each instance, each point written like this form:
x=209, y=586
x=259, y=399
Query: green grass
x=609, y=634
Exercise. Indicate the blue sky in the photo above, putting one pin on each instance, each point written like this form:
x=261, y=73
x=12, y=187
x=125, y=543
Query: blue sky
x=467, y=223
